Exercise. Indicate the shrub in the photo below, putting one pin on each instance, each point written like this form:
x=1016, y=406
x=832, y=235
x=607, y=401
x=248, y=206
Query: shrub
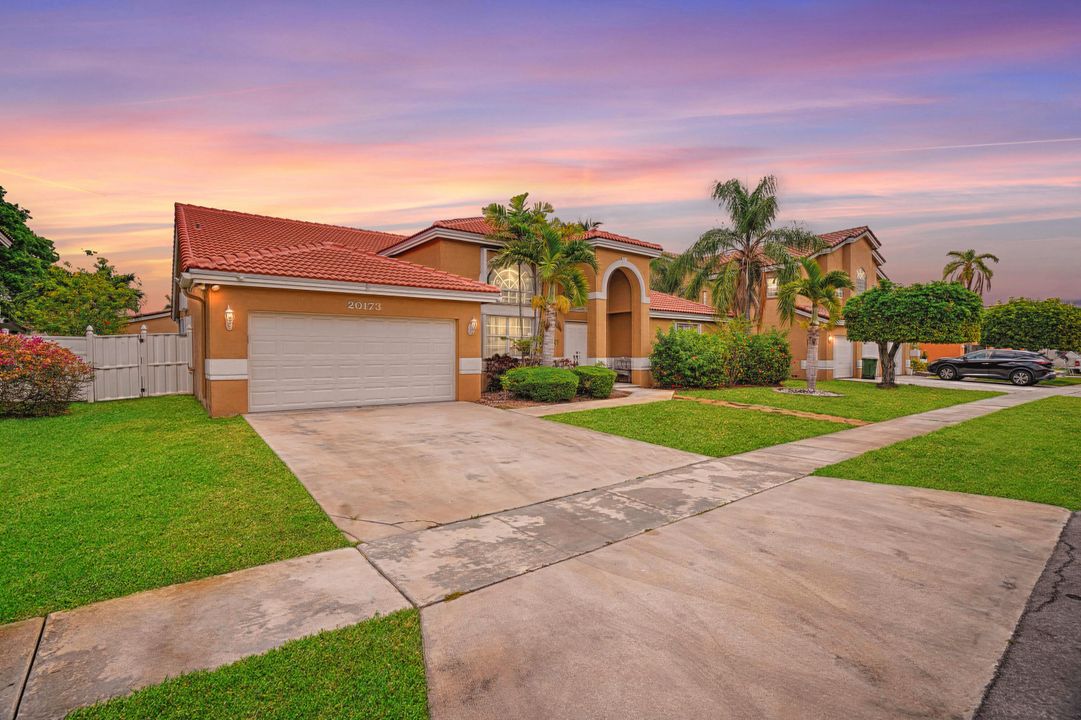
x=685, y=358
x=37, y=377
x=495, y=366
x=543, y=384
x=764, y=359
x=595, y=381
x=734, y=356
x=918, y=365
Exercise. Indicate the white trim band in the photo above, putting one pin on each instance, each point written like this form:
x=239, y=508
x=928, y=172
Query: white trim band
x=226, y=368
x=470, y=366
x=690, y=317
x=215, y=277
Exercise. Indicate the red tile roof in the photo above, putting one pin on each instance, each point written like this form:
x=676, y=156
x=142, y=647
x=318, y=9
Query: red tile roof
x=663, y=302
x=480, y=226
x=605, y=235
x=228, y=241
x=838, y=237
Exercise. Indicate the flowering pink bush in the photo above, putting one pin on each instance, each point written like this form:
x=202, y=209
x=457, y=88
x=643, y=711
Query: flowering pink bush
x=38, y=377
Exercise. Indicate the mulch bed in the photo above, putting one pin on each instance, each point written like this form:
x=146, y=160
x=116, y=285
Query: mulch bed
x=505, y=401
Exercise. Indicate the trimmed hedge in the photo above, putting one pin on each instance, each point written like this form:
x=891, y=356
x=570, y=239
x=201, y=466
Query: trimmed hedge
x=543, y=384
x=595, y=381
x=733, y=356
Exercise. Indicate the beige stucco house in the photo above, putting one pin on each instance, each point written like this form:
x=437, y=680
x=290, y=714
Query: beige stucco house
x=286, y=314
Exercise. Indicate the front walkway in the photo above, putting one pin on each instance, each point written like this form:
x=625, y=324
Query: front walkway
x=802, y=596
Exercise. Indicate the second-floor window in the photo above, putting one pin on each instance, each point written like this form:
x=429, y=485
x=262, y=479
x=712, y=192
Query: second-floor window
x=861, y=280
x=771, y=287
x=507, y=280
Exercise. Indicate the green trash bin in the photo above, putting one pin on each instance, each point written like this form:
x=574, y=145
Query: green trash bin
x=870, y=367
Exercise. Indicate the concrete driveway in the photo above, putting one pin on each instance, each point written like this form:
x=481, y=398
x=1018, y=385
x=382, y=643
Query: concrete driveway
x=820, y=598
x=381, y=471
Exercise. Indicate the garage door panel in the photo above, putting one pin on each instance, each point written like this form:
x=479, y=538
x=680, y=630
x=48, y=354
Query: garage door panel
x=298, y=361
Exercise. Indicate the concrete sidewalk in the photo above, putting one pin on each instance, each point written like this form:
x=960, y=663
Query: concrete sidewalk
x=114, y=647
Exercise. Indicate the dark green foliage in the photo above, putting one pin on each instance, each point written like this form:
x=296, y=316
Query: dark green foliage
x=595, y=381
x=68, y=300
x=1023, y=324
x=685, y=358
x=733, y=356
x=26, y=261
x=757, y=359
x=889, y=315
x=543, y=384
x=935, y=312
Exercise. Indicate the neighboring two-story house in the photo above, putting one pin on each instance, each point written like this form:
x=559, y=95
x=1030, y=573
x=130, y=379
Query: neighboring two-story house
x=287, y=314
x=855, y=251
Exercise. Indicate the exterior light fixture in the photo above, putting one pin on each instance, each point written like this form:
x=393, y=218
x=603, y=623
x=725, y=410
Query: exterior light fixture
x=472, y=328
x=229, y=316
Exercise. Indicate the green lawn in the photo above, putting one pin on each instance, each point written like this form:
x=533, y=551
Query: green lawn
x=124, y=496
x=697, y=427
x=1061, y=381
x=861, y=401
x=1028, y=452
x=366, y=671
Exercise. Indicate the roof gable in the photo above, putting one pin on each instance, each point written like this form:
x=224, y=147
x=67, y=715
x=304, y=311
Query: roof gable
x=226, y=241
x=478, y=229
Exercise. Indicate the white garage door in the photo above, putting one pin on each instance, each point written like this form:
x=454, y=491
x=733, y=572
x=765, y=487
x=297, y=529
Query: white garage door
x=842, y=357
x=314, y=361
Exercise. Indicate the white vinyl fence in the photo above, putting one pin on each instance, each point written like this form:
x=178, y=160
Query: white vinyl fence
x=131, y=366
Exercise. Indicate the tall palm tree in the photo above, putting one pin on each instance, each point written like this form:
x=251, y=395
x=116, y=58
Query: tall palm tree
x=731, y=260
x=557, y=251
x=517, y=221
x=820, y=290
x=969, y=269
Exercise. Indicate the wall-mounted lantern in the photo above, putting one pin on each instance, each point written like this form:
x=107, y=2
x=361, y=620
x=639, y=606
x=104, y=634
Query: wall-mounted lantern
x=471, y=329
x=229, y=316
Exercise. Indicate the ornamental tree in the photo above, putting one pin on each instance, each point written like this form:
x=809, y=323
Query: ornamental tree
x=66, y=301
x=890, y=315
x=1023, y=324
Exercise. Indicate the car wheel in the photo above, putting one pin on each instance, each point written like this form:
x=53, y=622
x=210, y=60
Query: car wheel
x=947, y=372
x=1021, y=377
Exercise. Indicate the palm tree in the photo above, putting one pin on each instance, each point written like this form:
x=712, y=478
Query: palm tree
x=517, y=221
x=820, y=290
x=667, y=274
x=732, y=260
x=556, y=250
x=969, y=269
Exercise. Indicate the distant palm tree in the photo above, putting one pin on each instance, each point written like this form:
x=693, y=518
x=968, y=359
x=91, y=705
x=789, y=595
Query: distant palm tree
x=732, y=260
x=820, y=290
x=969, y=269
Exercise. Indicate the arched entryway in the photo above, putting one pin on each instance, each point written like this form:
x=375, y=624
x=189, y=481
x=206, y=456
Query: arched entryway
x=622, y=318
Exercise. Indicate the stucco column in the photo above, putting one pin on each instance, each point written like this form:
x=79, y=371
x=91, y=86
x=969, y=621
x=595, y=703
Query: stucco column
x=597, y=328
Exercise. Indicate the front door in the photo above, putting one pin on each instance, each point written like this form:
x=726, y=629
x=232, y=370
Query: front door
x=842, y=357
x=574, y=342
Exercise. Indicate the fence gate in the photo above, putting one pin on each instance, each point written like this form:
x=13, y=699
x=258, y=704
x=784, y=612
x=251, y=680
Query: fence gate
x=131, y=366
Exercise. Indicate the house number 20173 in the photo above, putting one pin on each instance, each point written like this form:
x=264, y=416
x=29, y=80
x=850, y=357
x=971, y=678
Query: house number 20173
x=357, y=305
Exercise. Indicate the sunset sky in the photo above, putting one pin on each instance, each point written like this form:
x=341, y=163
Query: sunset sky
x=942, y=125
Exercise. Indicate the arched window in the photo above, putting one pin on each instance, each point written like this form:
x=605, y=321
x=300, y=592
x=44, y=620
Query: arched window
x=506, y=279
x=861, y=280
